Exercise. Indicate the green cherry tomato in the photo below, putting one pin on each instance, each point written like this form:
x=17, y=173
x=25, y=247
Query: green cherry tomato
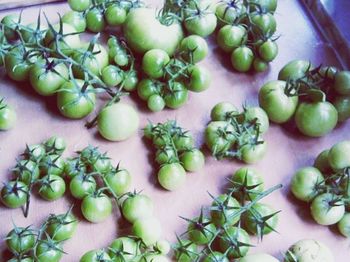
x=171, y=176
x=119, y=181
x=221, y=110
x=202, y=24
x=242, y=58
x=14, y=194
x=250, y=181
x=316, y=119
x=82, y=185
x=294, y=70
x=137, y=206
x=231, y=37
x=154, y=61
x=123, y=249
x=62, y=227
x=130, y=80
x=216, y=256
x=263, y=23
x=260, y=65
x=47, y=79
x=306, y=182
x=322, y=163
x=185, y=251
x=309, y=250
x=268, y=50
x=183, y=142
x=155, y=103
x=95, y=256
x=166, y=155
x=55, y=145
x=96, y=208
x=75, y=19
x=52, y=165
x=224, y=210
x=273, y=99
x=95, y=21
x=194, y=48
x=342, y=104
x=20, y=240
x=192, y=160
x=26, y=171
x=253, y=153
x=344, y=225
x=8, y=117
x=52, y=188
x=213, y=138
x=259, y=115
x=176, y=96
x=10, y=24
x=200, y=78
x=112, y=75
x=227, y=12
x=148, y=87
x=236, y=240
x=255, y=216
x=76, y=100
x=115, y=15
x=265, y=5
x=117, y=122
x=327, y=209
x=148, y=229
x=339, y=155
x=342, y=83
x=48, y=251
x=79, y=5
x=201, y=232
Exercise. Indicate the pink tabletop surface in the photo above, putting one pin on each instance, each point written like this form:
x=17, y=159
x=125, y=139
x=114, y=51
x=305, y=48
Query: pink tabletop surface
x=38, y=119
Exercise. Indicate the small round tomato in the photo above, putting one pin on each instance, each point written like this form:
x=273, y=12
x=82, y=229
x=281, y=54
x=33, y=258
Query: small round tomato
x=309, y=250
x=31, y=34
x=148, y=229
x=253, y=153
x=200, y=78
x=250, y=182
x=171, y=176
x=95, y=256
x=327, y=209
x=219, y=136
x=52, y=165
x=52, y=187
x=294, y=70
x=176, y=95
x=277, y=104
x=112, y=75
x=342, y=83
x=316, y=119
x=263, y=23
x=201, y=231
x=224, y=210
x=47, y=79
x=259, y=115
x=95, y=20
x=192, y=160
x=79, y=5
x=154, y=61
x=306, y=182
x=236, y=240
x=185, y=251
x=166, y=155
x=148, y=87
x=221, y=111
x=74, y=167
x=264, y=5
x=123, y=249
x=344, y=225
x=20, y=240
x=228, y=11
x=8, y=116
x=231, y=37
x=82, y=185
x=201, y=23
x=342, y=104
x=322, y=163
x=255, y=217
x=260, y=65
x=119, y=181
x=339, y=155
x=10, y=23
x=137, y=206
x=62, y=227
x=155, y=103
x=115, y=15
x=216, y=256
x=130, y=80
x=242, y=58
x=183, y=142
x=48, y=251
x=193, y=48
x=76, y=99
x=14, y=194
x=35, y=152
x=268, y=50
x=96, y=207
x=118, y=122
x=26, y=171
x=75, y=19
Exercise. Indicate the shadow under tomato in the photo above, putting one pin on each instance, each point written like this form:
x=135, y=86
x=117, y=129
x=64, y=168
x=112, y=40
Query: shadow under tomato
x=6, y=254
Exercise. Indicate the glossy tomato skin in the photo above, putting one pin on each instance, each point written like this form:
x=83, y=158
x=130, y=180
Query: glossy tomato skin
x=156, y=103
x=119, y=182
x=260, y=210
x=227, y=14
x=194, y=48
x=263, y=23
x=118, y=122
x=242, y=58
x=213, y=139
x=344, y=225
x=248, y=177
x=200, y=78
x=324, y=213
x=142, y=31
x=96, y=208
x=154, y=61
x=177, y=96
x=253, y=153
x=17, y=65
x=75, y=103
x=222, y=217
x=8, y=117
x=54, y=190
x=171, y=176
x=198, y=236
x=95, y=20
x=192, y=160
x=278, y=106
x=322, y=162
x=221, y=110
x=148, y=229
x=75, y=19
x=229, y=241
x=20, y=240
x=82, y=185
x=316, y=119
x=46, y=252
x=124, y=248
x=27, y=171
x=339, y=155
x=342, y=83
x=259, y=115
x=342, y=104
x=230, y=37
x=79, y=5
x=112, y=75
x=202, y=25
x=186, y=251
x=265, y=5
x=268, y=50
x=305, y=183
x=95, y=256
x=115, y=15
x=216, y=256
x=14, y=194
x=260, y=65
x=136, y=207
x=294, y=69
x=62, y=227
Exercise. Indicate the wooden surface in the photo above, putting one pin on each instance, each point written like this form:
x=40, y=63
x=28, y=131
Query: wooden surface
x=287, y=150
x=7, y=4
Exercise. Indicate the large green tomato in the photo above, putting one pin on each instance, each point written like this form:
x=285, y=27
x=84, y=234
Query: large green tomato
x=278, y=106
x=327, y=210
x=309, y=250
x=339, y=155
x=260, y=257
x=143, y=32
x=118, y=122
x=305, y=183
x=148, y=229
x=316, y=119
